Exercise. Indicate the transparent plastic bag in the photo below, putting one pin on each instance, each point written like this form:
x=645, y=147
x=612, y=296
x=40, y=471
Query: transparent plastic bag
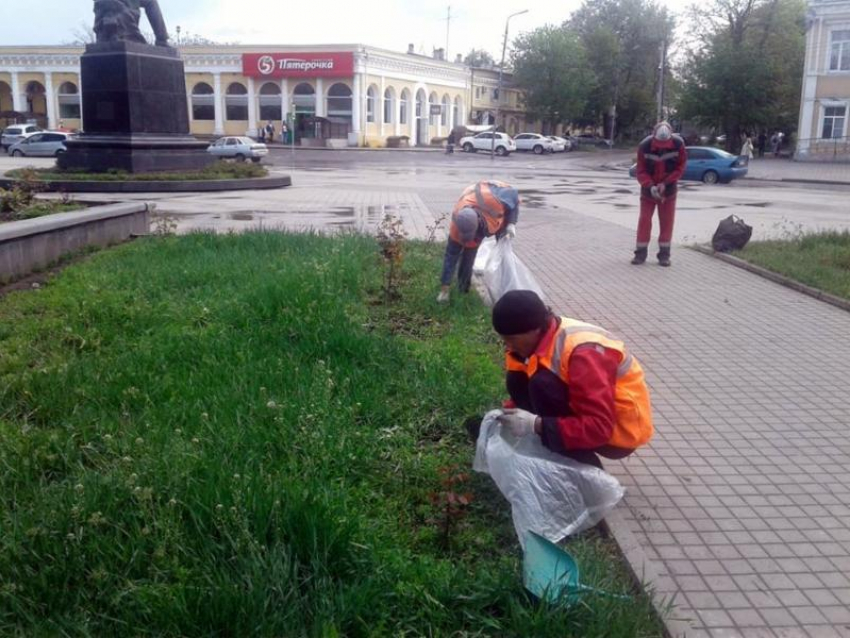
x=501, y=270
x=549, y=494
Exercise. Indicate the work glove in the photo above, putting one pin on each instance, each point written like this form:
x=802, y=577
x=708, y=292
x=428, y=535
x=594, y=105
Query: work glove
x=443, y=297
x=511, y=231
x=662, y=188
x=519, y=422
x=653, y=190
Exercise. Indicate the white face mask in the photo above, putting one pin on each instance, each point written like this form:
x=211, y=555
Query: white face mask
x=663, y=132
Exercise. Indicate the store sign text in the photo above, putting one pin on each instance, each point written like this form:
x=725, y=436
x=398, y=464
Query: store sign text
x=295, y=65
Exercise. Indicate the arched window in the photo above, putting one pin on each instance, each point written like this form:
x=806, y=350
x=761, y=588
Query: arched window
x=304, y=98
x=421, y=104
x=340, y=104
x=404, y=107
x=444, y=114
x=371, y=96
x=236, y=102
x=69, y=101
x=456, y=110
x=270, y=105
x=203, y=102
x=433, y=100
x=389, y=106
x=6, y=103
x=36, y=99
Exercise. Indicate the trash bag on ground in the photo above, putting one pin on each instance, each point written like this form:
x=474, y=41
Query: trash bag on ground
x=731, y=234
x=551, y=495
x=500, y=269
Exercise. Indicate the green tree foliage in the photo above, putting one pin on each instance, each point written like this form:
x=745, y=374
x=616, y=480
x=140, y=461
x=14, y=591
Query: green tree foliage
x=743, y=70
x=479, y=58
x=623, y=40
x=551, y=67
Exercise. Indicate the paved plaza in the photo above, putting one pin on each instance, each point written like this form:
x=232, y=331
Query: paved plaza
x=741, y=503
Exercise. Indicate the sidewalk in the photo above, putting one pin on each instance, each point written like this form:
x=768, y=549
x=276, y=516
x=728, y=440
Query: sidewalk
x=741, y=502
x=785, y=170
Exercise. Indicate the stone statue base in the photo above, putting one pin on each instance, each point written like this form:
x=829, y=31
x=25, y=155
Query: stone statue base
x=135, y=112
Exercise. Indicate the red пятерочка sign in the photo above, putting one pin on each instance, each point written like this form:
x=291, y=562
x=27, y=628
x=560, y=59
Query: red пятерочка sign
x=297, y=65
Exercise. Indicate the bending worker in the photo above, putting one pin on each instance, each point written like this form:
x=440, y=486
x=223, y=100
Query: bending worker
x=485, y=209
x=661, y=162
x=571, y=383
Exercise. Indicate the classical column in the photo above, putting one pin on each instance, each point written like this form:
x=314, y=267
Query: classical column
x=397, y=114
x=355, y=109
x=284, y=99
x=219, y=116
x=80, y=93
x=320, y=98
x=252, y=109
x=17, y=101
x=381, y=98
x=50, y=100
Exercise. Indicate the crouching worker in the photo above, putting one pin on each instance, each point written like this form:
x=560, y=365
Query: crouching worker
x=571, y=383
x=485, y=209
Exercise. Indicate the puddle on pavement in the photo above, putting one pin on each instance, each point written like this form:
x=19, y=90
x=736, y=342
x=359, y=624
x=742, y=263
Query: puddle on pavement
x=241, y=217
x=759, y=204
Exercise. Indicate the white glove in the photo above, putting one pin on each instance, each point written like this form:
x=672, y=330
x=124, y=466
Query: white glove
x=443, y=297
x=519, y=422
x=511, y=231
x=654, y=192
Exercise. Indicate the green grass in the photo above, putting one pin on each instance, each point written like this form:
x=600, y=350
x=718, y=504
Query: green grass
x=821, y=260
x=233, y=436
x=218, y=170
x=39, y=209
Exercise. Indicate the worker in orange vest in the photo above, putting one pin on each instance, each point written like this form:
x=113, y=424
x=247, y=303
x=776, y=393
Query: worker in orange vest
x=571, y=383
x=485, y=209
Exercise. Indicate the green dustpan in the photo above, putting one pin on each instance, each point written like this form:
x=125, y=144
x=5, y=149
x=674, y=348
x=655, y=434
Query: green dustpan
x=551, y=573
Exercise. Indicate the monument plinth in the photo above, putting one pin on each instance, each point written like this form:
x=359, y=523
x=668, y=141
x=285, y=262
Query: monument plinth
x=135, y=112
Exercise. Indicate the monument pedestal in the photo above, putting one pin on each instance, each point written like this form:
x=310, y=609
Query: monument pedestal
x=135, y=112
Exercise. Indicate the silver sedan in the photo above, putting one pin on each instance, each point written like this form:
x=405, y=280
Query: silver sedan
x=238, y=148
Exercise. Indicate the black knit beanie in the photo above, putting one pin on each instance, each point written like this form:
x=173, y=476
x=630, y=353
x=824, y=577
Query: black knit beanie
x=519, y=311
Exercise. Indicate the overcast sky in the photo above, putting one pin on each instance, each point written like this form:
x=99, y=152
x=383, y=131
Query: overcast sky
x=475, y=23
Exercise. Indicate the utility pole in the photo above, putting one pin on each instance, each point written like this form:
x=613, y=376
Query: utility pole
x=499, y=92
x=661, y=73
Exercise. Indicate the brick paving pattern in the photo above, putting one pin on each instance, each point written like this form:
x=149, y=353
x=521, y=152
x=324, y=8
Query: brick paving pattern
x=742, y=499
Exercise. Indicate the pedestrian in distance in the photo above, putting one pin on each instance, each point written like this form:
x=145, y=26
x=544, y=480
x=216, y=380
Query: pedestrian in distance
x=661, y=162
x=450, y=143
x=762, y=143
x=484, y=209
x=747, y=147
x=261, y=134
x=284, y=129
x=571, y=383
x=270, y=132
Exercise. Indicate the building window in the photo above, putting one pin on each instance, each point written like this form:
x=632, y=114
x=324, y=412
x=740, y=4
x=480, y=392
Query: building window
x=370, y=104
x=340, y=104
x=389, y=106
x=304, y=99
x=270, y=102
x=69, y=101
x=456, y=112
x=203, y=102
x=404, y=107
x=839, y=58
x=834, y=118
x=433, y=101
x=237, y=102
x=444, y=114
x=495, y=95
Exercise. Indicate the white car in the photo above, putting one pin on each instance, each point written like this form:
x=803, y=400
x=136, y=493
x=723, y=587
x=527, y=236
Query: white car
x=534, y=142
x=238, y=148
x=17, y=132
x=42, y=144
x=560, y=144
x=484, y=142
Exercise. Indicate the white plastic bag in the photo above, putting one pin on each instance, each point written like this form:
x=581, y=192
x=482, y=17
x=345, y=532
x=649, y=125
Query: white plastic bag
x=501, y=270
x=549, y=494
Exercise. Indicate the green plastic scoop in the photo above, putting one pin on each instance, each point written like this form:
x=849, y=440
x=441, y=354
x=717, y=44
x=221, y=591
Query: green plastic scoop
x=551, y=573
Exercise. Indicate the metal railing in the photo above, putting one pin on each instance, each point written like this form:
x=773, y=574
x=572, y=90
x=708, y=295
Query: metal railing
x=819, y=147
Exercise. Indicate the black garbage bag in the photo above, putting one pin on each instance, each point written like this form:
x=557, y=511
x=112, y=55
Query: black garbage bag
x=731, y=234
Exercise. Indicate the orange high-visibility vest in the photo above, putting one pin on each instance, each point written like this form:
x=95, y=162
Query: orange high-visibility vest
x=489, y=208
x=631, y=396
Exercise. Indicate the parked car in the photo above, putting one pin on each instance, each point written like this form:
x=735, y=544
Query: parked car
x=560, y=144
x=710, y=165
x=44, y=144
x=484, y=142
x=534, y=142
x=588, y=139
x=17, y=132
x=238, y=148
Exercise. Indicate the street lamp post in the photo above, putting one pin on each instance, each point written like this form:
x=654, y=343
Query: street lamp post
x=501, y=73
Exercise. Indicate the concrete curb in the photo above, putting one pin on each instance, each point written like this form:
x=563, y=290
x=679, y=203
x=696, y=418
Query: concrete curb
x=782, y=280
x=165, y=186
x=409, y=149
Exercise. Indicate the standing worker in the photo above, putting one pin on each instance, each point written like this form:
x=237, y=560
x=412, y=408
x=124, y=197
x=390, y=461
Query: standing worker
x=571, y=383
x=661, y=162
x=485, y=209
x=450, y=142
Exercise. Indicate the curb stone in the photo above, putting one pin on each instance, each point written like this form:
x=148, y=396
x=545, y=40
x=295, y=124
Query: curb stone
x=782, y=280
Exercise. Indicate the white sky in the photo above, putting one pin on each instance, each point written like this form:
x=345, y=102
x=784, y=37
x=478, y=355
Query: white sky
x=397, y=23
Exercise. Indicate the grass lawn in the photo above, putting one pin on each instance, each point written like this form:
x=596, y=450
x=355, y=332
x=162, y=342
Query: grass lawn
x=39, y=209
x=217, y=170
x=821, y=260
x=233, y=436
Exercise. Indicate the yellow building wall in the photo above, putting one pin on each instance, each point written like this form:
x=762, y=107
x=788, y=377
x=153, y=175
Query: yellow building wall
x=833, y=86
x=58, y=80
x=200, y=127
x=232, y=127
x=40, y=104
x=6, y=103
